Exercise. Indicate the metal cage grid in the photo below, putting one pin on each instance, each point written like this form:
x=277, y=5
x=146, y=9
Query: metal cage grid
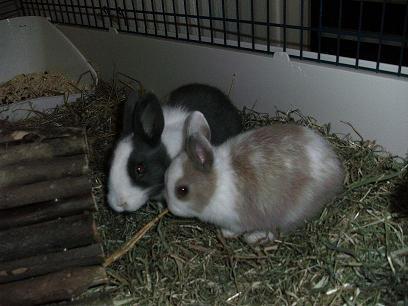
x=362, y=34
x=9, y=9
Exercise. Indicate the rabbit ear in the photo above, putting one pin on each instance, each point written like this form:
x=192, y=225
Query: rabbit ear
x=148, y=120
x=196, y=123
x=128, y=110
x=200, y=151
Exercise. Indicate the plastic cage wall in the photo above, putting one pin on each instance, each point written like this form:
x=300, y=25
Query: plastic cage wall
x=364, y=34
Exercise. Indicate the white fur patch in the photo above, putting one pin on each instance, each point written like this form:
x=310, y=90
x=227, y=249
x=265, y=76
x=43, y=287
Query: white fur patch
x=323, y=164
x=323, y=161
x=259, y=237
x=229, y=234
x=122, y=194
x=221, y=209
x=172, y=136
x=317, y=152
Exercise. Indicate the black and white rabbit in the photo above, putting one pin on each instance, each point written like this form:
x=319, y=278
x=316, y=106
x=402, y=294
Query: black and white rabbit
x=153, y=135
x=258, y=183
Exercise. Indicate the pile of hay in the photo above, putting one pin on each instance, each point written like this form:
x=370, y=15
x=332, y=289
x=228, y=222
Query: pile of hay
x=354, y=253
x=39, y=84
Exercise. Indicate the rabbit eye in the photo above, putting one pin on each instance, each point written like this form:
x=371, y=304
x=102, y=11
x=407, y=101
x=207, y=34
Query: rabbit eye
x=140, y=169
x=181, y=191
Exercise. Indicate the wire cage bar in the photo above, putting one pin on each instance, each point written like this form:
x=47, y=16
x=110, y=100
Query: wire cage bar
x=362, y=34
x=9, y=9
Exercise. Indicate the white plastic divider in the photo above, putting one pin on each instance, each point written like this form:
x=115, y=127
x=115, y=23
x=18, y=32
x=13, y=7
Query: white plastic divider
x=33, y=44
x=376, y=104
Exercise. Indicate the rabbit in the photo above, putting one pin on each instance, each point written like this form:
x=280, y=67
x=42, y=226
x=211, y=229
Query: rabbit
x=152, y=136
x=257, y=184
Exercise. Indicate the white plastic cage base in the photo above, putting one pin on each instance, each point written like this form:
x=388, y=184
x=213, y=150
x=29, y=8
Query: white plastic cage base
x=375, y=104
x=33, y=44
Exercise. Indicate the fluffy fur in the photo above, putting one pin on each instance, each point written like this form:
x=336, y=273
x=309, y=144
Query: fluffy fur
x=267, y=180
x=172, y=137
x=153, y=135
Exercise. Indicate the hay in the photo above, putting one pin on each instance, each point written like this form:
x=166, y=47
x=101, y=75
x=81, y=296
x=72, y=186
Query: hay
x=40, y=84
x=354, y=253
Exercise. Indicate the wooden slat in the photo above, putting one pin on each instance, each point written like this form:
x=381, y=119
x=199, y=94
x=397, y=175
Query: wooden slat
x=42, y=264
x=47, y=237
x=51, y=287
x=45, y=211
x=44, y=191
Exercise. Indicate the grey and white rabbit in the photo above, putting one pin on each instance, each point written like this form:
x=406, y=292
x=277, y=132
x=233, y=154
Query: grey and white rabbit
x=153, y=135
x=258, y=183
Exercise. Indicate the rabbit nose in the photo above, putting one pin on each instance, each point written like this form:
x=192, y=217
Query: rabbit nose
x=122, y=204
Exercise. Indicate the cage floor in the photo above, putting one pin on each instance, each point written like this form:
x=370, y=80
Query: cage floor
x=354, y=253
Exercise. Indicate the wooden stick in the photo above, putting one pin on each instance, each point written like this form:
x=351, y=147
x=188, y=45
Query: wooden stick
x=51, y=148
x=13, y=134
x=43, y=264
x=132, y=241
x=52, y=287
x=41, y=170
x=41, y=212
x=44, y=191
x=47, y=237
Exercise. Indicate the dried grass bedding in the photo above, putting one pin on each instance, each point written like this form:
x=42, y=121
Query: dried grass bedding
x=355, y=253
x=39, y=84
